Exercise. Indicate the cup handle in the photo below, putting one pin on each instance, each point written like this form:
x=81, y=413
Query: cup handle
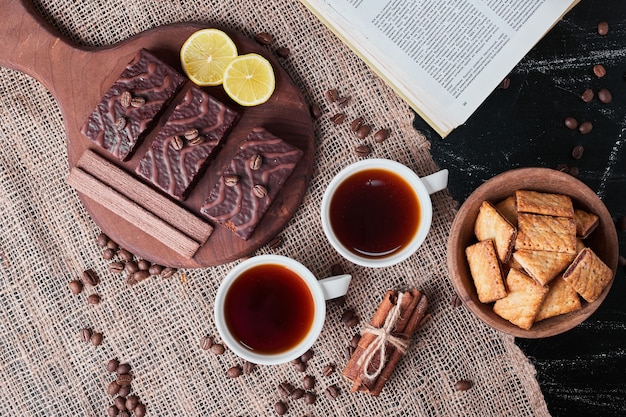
x=336, y=286
x=435, y=182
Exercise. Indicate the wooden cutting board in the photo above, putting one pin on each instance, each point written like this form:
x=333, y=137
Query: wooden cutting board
x=78, y=77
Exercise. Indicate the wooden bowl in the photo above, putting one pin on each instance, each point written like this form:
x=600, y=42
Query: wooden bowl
x=603, y=241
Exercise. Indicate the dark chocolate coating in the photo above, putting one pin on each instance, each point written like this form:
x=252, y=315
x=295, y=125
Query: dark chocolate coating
x=147, y=77
x=237, y=207
x=176, y=171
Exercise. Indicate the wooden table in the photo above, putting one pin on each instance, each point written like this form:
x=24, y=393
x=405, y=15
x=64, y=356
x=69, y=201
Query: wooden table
x=581, y=372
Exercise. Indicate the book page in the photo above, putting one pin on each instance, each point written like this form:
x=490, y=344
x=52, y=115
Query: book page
x=449, y=54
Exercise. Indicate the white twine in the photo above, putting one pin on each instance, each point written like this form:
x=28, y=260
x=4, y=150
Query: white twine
x=383, y=336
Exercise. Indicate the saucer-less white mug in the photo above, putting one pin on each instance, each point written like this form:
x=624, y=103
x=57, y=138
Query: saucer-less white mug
x=422, y=187
x=321, y=290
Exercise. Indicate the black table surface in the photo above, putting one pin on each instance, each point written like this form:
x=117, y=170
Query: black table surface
x=581, y=372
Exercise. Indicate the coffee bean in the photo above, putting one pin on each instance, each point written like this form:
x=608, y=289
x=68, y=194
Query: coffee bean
x=108, y=254
x=155, y=269
x=505, y=84
x=124, y=391
x=120, y=123
x=76, y=287
x=284, y=389
x=124, y=380
x=90, y=278
x=306, y=356
x=137, y=102
x=571, y=123
x=301, y=366
x=599, y=70
x=280, y=408
x=259, y=191
x=310, y=398
x=362, y=151
x=124, y=414
x=131, y=402
x=191, y=134
x=587, y=95
x=123, y=368
x=337, y=118
x=456, y=301
x=131, y=267
x=328, y=370
x=308, y=382
x=248, y=367
x=125, y=255
x=177, y=143
x=621, y=224
x=85, y=334
x=112, y=365
x=264, y=38
x=116, y=267
x=168, y=272
x=234, y=372
x=255, y=162
x=354, y=342
x=573, y=171
x=297, y=393
x=93, y=299
x=347, y=315
x=315, y=110
x=332, y=392
x=140, y=410
x=621, y=261
x=120, y=403
x=217, y=349
x=230, y=180
x=585, y=127
x=332, y=95
x=577, y=152
x=463, y=385
x=141, y=275
x=605, y=96
x=143, y=265
x=113, y=388
x=102, y=240
x=336, y=269
x=339, y=301
x=96, y=339
x=206, y=342
x=343, y=102
x=363, y=131
x=356, y=124
x=381, y=135
x=112, y=245
x=112, y=411
x=283, y=52
x=347, y=352
x=130, y=280
x=603, y=28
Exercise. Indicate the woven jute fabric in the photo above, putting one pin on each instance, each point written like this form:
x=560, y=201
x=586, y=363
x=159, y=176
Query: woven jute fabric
x=47, y=239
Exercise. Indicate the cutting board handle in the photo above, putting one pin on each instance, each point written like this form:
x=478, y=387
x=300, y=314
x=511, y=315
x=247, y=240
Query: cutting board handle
x=30, y=44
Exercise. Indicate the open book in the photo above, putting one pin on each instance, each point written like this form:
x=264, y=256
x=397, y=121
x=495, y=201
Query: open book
x=444, y=57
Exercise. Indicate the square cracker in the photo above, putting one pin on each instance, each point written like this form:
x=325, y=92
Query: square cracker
x=539, y=232
x=508, y=209
x=492, y=225
x=585, y=223
x=524, y=297
x=535, y=202
x=485, y=270
x=543, y=266
x=561, y=299
x=588, y=275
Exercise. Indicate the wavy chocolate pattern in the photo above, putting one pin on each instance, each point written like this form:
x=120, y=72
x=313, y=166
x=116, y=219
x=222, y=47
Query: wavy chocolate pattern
x=237, y=207
x=147, y=77
x=176, y=171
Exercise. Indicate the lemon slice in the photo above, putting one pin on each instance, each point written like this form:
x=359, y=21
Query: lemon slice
x=249, y=80
x=205, y=55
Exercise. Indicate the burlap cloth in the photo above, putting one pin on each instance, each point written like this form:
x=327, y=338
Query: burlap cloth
x=47, y=239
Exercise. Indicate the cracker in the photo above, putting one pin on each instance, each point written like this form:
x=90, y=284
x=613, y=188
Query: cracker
x=561, y=299
x=485, y=270
x=524, y=297
x=508, y=209
x=543, y=266
x=539, y=232
x=548, y=204
x=585, y=223
x=492, y=225
x=588, y=275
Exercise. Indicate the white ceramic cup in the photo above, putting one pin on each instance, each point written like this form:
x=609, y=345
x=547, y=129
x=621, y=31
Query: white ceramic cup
x=321, y=290
x=422, y=187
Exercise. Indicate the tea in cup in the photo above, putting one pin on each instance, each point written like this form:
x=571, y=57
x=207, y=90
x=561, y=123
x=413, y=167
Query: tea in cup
x=377, y=212
x=270, y=309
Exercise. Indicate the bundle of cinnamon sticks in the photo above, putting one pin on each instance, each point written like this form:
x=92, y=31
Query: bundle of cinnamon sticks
x=385, y=339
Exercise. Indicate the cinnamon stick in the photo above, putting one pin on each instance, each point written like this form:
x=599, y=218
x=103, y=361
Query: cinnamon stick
x=135, y=214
